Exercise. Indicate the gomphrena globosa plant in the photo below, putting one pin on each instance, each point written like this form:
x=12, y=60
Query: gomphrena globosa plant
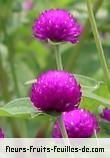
x=1, y=133
x=57, y=25
x=106, y=114
x=79, y=123
x=56, y=90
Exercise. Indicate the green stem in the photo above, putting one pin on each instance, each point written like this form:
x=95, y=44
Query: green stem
x=62, y=127
x=64, y=134
x=72, y=59
x=4, y=82
x=58, y=58
x=3, y=76
x=98, y=43
x=10, y=44
x=60, y=67
x=9, y=40
x=95, y=134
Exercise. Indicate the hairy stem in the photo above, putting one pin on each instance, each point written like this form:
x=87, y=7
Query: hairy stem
x=58, y=58
x=62, y=127
x=10, y=44
x=98, y=44
x=72, y=59
x=8, y=40
x=4, y=82
x=60, y=67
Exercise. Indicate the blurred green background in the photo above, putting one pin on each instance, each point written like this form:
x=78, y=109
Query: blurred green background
x=22, y=58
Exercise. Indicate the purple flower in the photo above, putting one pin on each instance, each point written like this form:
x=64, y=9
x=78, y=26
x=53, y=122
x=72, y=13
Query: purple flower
x=79, y=123
x=56, y=90
x=27, y=5
x=1, y=133
x=106, y=114
x=57, y=25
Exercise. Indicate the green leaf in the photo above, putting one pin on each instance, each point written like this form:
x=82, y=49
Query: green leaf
x=91, y=89
x=19, y=108
x=30, y=82
x=22, y=108
x=87, y=83
x=96, y=97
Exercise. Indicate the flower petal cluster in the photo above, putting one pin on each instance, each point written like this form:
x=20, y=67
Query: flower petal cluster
x=106, y=114
x=56, y=90
x=57, y=25
x=79, y=123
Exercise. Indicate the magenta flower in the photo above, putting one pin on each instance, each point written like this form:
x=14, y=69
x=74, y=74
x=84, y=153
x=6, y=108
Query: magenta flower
x=79, y=123
x=57, y=25
x=106, y=114
x=56, y=91
x=1, y=133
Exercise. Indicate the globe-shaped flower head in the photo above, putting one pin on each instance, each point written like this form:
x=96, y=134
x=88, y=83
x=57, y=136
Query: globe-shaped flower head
x=79, y=123
x=106, y=114
x=1, y=133
x=57, y=25
x=56, y=90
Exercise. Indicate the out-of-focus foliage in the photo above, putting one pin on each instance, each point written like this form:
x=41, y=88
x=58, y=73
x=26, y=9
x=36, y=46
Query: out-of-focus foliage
x=22, y=58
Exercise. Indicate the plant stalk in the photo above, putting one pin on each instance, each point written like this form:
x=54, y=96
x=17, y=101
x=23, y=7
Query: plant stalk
x=60, y=67
x=98, y=44
x=9, y=41
x=72, y=59
x=10, y=44
x=58, y=58
x=62, y=127
x=4, y=82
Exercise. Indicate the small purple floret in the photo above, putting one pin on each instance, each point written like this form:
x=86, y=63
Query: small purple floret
x=79, y=123
x=57, y=25
x=27, y=5
x=106, y=114
x=1, y=133
x=57, y=91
